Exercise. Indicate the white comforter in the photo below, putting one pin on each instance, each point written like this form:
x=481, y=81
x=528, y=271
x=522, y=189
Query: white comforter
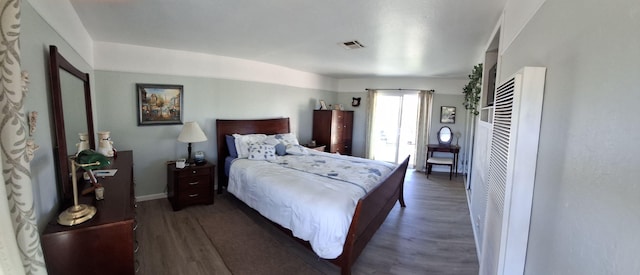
x=317, y=207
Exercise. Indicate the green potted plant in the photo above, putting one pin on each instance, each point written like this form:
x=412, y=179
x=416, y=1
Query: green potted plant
x=472, y=90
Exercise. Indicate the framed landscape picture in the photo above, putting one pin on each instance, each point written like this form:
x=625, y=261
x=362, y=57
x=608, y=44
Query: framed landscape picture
x=447, y=114
x=159, y=104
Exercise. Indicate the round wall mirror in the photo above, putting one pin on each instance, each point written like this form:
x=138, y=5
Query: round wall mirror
x=445, y=136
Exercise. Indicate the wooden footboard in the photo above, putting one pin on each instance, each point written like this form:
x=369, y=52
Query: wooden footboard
x=370, y=213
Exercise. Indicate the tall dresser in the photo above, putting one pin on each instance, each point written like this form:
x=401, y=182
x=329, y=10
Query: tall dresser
x=333, y=128
x=105, y=244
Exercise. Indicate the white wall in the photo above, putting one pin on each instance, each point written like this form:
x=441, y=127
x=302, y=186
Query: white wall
x=139, y=59
x=62, y=18
x=516, y=15
x=586, y=212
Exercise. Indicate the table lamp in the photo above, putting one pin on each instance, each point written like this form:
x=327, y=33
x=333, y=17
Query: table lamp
x=191, y=132
x=79, y=213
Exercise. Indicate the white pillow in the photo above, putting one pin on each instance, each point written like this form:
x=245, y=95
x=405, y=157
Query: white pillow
x=296, y=150
x=262, y=152
x=243, y=142
x=271, y=140
x=287, y=139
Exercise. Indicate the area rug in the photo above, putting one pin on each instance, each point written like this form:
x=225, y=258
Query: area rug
x=249, y=244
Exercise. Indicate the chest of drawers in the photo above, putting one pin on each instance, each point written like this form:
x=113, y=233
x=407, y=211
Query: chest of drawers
x=190, y=185
x=105, y=244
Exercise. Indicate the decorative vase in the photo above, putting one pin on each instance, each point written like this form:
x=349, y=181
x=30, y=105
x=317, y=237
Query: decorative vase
x=105, y=145
x=83, y=144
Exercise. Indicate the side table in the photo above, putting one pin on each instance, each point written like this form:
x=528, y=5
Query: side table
x=190, y=185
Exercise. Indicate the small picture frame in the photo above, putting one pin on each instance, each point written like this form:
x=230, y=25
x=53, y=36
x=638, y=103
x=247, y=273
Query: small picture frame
x=159, y=104
x=356, y=101
x=323, y=105
x=447, y=114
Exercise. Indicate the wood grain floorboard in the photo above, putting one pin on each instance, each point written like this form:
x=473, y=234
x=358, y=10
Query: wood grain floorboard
x=173, y=242
x=432, y=235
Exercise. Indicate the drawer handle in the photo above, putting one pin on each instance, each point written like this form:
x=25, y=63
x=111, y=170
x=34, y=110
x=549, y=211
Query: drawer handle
x=194, y=171
x=194, y=183
x=135, y=225
x=193, y=196
x=137, y=266
x=135, y=250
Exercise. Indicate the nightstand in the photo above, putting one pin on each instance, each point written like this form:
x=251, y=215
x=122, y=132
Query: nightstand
x=320, y=148
x=190, y=185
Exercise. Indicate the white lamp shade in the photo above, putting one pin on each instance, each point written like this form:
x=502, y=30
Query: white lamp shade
x=191, y=132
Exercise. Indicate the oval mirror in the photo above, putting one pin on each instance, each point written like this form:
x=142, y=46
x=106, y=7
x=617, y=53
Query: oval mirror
x=445, y=136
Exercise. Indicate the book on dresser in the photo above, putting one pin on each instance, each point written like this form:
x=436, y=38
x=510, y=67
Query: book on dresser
x=105, y=244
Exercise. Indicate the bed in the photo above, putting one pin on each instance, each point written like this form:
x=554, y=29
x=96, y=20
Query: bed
x=369, y=212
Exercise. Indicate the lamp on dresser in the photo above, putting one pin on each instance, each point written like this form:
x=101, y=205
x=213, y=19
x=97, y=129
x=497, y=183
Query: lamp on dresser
x=191, y=132
x=79, y=213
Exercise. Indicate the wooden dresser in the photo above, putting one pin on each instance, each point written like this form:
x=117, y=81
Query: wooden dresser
x=333, y=128
x=106, y=244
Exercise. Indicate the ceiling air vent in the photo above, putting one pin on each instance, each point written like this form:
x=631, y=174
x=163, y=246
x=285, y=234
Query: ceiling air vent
x=351, y=45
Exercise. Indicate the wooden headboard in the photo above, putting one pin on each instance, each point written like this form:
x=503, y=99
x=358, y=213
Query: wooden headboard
x=245, y=126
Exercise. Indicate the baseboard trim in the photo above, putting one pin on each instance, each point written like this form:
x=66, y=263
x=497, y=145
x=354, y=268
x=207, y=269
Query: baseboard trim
x=476, y=238
x=152, y=197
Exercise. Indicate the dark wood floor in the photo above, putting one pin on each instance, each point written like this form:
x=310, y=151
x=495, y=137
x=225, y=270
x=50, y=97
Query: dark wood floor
x=432, y=235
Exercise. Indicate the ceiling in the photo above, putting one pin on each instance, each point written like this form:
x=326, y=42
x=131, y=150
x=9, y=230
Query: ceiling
x=402, y=38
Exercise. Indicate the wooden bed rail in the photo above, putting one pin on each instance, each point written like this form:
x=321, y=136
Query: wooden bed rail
x=370, y=213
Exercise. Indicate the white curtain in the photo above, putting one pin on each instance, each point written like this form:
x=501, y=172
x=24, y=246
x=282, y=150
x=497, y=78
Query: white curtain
x=10, y=262
x=424, y=125
x=371, y=109
x=20, y=251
